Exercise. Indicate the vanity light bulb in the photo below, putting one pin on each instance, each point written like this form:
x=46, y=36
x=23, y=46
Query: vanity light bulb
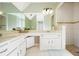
x=1, y=13
x=44, y=11
x=51, y=11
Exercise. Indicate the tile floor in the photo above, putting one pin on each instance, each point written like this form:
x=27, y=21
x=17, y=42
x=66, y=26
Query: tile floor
x=73, y=49
x=35, y=51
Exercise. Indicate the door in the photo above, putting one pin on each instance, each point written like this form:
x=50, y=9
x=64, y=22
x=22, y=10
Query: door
x=30, y=42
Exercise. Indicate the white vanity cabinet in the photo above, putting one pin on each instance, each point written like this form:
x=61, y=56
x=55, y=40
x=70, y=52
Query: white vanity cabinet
x=8, y=49
x=22, y=48
x=30, y=41
x=50, y=41
x=14, y=53
x=14, y=47
x=3, y=49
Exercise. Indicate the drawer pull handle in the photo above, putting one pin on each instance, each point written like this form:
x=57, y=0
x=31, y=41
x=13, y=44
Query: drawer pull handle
x=3, y=51
x=28, y=37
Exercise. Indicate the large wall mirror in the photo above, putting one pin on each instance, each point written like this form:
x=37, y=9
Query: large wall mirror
x=15, y=20
x=2, y=22
x=11, y=21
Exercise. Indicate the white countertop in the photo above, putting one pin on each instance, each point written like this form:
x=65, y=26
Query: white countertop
x=31, y=33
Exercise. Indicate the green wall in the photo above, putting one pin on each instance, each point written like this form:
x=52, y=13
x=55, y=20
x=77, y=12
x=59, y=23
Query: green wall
x=30, y=23
x=33, y=23
x=27, y=23
x=2, y=20
x=12, y=21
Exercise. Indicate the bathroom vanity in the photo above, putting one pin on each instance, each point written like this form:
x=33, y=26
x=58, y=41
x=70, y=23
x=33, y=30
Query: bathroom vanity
x=13, y=46
x=16, y=45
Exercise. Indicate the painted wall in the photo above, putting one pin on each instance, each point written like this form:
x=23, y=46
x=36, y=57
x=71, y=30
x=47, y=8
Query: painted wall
x=65, y=12
x=27, y=23
x=33, y=23
x=2, y=22
x=30, y=23
x=69, y=12
x=76, y=25
x=76, y=11
x=12, y=21
x=69, y=34
x=76, y=34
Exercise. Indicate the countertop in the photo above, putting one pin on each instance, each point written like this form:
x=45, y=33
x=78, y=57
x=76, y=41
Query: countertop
x=11, y=36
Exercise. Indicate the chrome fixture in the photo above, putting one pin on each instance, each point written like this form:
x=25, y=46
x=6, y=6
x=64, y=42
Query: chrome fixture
x=47, y=11
x=0, y=34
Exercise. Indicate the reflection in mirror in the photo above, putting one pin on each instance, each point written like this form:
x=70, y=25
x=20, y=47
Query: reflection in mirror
x=30, y=24
x=2, y=22
x=19, y=21
x=15, y=20
x=52, y=22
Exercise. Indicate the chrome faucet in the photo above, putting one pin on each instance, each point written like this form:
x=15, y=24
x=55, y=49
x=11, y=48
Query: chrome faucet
x=0, y=34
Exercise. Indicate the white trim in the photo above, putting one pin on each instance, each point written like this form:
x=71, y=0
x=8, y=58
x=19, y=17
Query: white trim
x=59, y=5
x=6, y=21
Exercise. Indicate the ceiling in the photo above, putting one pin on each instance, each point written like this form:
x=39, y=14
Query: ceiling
x=21, y=5
x=26, y=7
x=38, y=7
x=7, y=7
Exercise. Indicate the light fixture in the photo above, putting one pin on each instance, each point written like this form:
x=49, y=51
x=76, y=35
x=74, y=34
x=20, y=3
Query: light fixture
x=29, y=15
x=47, y=11
x=1, y=12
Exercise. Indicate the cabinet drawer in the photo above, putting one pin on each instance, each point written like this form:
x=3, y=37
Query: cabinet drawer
x=51, y=36
x=13, y=44
x=30, y=42
x=4, y=49
x=13, y=53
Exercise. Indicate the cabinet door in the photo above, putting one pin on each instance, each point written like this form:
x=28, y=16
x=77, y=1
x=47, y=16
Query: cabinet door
x=30, y=42
x=22, y=48
x=13, y=53
x=44, y=44
x=55, y=44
